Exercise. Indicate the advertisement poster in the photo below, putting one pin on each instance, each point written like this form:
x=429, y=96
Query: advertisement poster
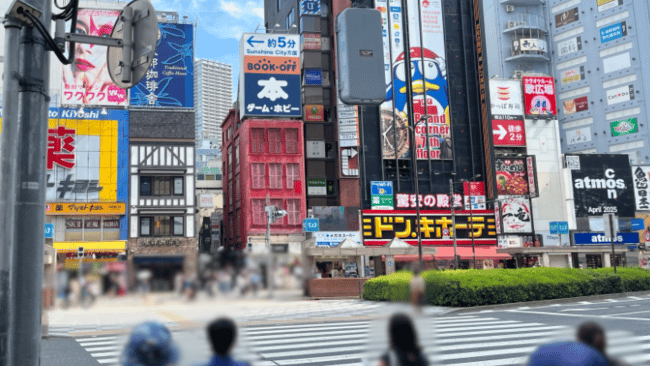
x=621, y=94
x=579, y=135
x=608, y=4
x=381, y=195
x=569, y=46
x=573, y=75
x=506, y=98
x=314, y=112
x=603, y=184
x=512, y=177
x=438, y=201
x=311, y=41
x=313, y=77
x=613, y=32
x=624, y=127
x=269, y=75
x=309, y=7
x=539, y=96
x=508, y=133
x=86, y=80
x=516, y=216
x=531, y=176
x=641, y=176
x=169, y=82
x=575, y=105
x=566, y=17
x=529, y=45
x=428, y=85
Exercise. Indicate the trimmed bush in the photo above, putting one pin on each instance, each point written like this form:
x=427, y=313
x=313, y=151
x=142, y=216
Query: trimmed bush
x=461, y=288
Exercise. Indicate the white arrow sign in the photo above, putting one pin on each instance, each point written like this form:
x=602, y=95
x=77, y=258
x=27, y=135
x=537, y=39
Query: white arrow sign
x=502, y=132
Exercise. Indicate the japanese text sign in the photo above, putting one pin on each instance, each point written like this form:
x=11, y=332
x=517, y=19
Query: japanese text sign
x=66, y=208
x=429, y=201
x=505, y=98
x=508, y=133
x=539, y=96
x=613, y=32
x=169, y=82
x=566, y=17
x=608, y=4
x=381, y=195
x=641, y=176
x=270, y=75
x=516, y=216
x=511, y=174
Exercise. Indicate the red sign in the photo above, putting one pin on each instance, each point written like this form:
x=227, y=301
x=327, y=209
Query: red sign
x=508, y=133
x=474, y=189
x=539, y=96
x=511, y=176
x=60, y=150
x=314, y=112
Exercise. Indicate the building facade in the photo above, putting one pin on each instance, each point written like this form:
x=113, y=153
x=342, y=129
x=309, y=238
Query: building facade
x=213, y=96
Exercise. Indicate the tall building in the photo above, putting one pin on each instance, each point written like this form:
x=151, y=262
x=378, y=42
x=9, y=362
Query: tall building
x=213, y=95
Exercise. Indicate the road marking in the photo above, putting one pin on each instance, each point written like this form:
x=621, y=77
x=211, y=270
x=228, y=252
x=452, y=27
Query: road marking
x=497, y=337
x=494, y=352
x=585, y=302
x=585, y=309
x=631, y=312
x=580, y=315
x=611, y=300
x=509, y=330
x=297, y=331
x=499, y=362
x=109, y=360
x=319, y=325
x=455, y=329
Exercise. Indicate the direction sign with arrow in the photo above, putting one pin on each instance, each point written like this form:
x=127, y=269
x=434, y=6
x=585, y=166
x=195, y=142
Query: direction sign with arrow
x=508, y=133
x=251, y=42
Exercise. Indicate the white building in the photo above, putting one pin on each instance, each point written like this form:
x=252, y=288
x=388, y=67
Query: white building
x=212, y=96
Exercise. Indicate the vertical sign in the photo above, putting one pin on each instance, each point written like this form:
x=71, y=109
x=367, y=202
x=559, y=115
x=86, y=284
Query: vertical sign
x=539, y=96
x=381, y=194
x=531, y=174
x=428, y=85
x=641, y=176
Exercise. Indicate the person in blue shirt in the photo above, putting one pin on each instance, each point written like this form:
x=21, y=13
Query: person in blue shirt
x=222, y=333
x=567, y=354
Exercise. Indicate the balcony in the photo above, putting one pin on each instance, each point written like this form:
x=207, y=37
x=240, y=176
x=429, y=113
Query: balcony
x=523, y=2
x=525, y=24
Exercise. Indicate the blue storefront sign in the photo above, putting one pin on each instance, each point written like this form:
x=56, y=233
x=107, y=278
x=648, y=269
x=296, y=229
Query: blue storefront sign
x=313, y=77
x=169, y=82
x=601, y=239
x=310, y=7
x=272, y=95
x=562, y=227
x=310, y=225
x=552, y=226
x=49, y=230
x=612, y=32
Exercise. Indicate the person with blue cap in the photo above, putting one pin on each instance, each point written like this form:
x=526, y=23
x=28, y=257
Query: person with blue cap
x=567, y=354
x=150, y=344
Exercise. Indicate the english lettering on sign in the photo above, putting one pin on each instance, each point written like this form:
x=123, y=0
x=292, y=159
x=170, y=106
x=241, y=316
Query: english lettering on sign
x=610, y=183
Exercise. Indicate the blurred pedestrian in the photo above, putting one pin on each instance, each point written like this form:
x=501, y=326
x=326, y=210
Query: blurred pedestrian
x=592, y=334
x=222, y=333
x=404, y=348
x=150, y=344
x=417, y=288
x=567, y=354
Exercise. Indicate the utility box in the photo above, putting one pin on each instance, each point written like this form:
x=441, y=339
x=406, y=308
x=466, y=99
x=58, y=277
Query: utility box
x=359, y=46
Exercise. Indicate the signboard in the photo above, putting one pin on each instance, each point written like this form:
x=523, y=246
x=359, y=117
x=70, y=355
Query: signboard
x=578, y=135
x=381, y=194
x=315, y=149
x=601, y=239
x=100, y=208
x=612, y=32
x=508, y=132
x=615, y=63
x=269, y=75
x=569, y=46
x=169, y=82
x=575, y=105
x=49, y=231
x=86, y=81
x=531, y=176
x=206, y=201
x=334, y=238
x=620, y=94
x=539, y=96
x=349, y=161
x=429, y=201
x=316, y=187
x=608, y=4
x=562, y=227
x=429, y=81
x=311, y=41
x=506, y=98
x=380, y=227
x=511, y=176
x=566, y=17
x=603, y=184
x=314, y=112
x=474, y=193
x=516, y=216
x=510, y=242
x=573, y=75
x=310, y=7
x=309, y=225
x=624, y=127
x=347, y=115
x=552, y=226
x=529, y=45
x=313, y=77
x=641, y=176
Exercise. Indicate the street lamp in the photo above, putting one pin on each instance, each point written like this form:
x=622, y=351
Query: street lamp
x=471, y=216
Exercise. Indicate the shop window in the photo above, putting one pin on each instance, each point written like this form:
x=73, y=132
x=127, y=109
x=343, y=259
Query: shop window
x=92, y=228
x=291, y=135
x=275, y=176
x=162, y=225
x=293, y=212
x=200, y=177
x=275, y=141
x=145, y=186
x=145, y=226
x=257, y=141
x=258, y=212
x=293, y=174
x=161, y=186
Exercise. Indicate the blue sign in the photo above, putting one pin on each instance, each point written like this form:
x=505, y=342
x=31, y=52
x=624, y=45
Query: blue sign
x=381, y=188
x=310, y=7
x=395, y=9
x=601, y=239
x=636, y=224
x=612, y=32
x=49, y=230
x=562, y=227
x=313, y=77
x=310, y=225
x=169, y=82
x=553, y=227
x=272, y=95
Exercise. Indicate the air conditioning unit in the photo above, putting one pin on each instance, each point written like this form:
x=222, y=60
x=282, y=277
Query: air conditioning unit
x=510, y=8
x=517, y=74
x=521, y=23
x=511, y=24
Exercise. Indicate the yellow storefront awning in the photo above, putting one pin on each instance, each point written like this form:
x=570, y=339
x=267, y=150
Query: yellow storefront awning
x=90, y=246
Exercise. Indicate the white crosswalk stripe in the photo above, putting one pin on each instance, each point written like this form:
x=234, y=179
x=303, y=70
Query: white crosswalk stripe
x=466, y=340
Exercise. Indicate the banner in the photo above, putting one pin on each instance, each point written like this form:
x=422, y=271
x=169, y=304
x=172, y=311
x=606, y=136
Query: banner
x=86, y=80
x=428, y=81
x=621, y=94
x=624, y=127
x=613, y=32
x=438, y=201
x=539, y=96
x=575, y=105
x=506, y=98
x=516, y=216
x=90, y=209
x=169, y=82
x=641, y=176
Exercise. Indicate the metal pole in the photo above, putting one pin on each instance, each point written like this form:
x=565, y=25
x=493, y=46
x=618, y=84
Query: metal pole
x=453, y=220
x=471, y=220
x=8, y=185
x=269, y=272
x=30, y=203
x=612, y=237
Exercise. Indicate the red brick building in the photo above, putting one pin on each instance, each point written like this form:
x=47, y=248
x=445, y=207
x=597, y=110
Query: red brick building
x=260, y=157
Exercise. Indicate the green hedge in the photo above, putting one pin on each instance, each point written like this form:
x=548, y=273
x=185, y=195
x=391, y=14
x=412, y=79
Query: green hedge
x=499, y=286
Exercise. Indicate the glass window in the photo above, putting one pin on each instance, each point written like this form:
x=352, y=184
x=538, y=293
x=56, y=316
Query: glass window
x=257, y=175
x=291, y=134
x=178, y=186
x=145, y=226
x=293, y=174
x=275, y=142
x=275, y=176
x=209, y=177
x=293, y=212
x=200, y=177
x=145, y=186
x=258, y=212
x=178, y=226
x=257, y=141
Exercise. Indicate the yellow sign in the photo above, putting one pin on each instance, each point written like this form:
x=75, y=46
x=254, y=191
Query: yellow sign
x=98, y=208
x=90, y=246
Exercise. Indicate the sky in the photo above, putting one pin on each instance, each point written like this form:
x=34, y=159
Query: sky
x=220, y=24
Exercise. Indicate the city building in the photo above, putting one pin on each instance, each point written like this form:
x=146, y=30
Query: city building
x=209, y=192
x=213, y=94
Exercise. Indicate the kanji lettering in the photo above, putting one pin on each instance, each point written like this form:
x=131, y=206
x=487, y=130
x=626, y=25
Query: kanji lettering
x=59, y=147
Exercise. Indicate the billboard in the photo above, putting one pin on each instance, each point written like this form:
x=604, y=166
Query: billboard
x=624, y=127
x=381, y=195
x=86, y=80
x=641, y=176
x=512, y=176
x=169, y=82
x=506, y=98
x=579, y=135
x=438, y=201
x=269, y=76
x=566, y=17
x=602, y=184
x=428, y=81
x=575, y=105
x=508, y=132
x=516, y=216
x=573, y=75
x=608, y=4
x=613, y=32
x=539, y=96
x=621, y=94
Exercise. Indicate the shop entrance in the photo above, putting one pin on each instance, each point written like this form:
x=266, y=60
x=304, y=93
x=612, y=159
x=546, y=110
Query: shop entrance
x=163, y=270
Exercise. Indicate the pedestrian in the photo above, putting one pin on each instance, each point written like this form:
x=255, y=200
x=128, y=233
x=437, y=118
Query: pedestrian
x=150, y=344
x=417, y=288
x=404, y=348
x=567, y=354
x=222, y=333
x=592, y=334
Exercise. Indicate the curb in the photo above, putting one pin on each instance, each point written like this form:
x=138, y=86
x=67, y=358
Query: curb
x=546, y=302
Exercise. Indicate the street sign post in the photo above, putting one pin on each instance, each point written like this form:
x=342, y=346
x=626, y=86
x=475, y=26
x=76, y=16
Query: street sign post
x=49, y=230
x=310, y=225
x=562, y=227
x=610, y=231
x=552, y=226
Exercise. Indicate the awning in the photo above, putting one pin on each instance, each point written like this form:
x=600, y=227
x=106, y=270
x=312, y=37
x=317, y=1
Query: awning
x=447, y=253
x=90, y=246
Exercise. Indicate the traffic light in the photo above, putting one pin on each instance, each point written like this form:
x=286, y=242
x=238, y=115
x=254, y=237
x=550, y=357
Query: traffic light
x=274, y=214
x=80, y=252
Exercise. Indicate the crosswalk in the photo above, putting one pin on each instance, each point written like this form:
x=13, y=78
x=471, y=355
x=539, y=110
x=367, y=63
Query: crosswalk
x=465, y=340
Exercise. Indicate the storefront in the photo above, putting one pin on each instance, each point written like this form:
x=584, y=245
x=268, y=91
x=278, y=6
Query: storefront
x=569, y=257
x=163, y=258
